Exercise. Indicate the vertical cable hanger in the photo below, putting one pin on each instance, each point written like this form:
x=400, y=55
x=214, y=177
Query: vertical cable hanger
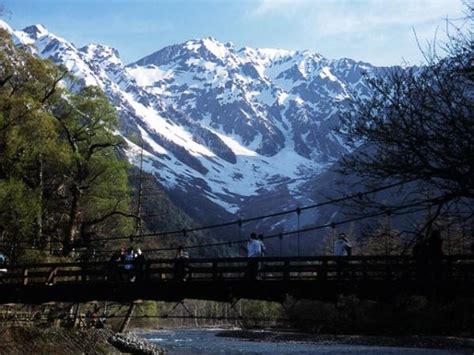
x=333, y=233
x=139, y=226
x=280, y=237
x=239, y=223
x=388, y=234
x=298, y=213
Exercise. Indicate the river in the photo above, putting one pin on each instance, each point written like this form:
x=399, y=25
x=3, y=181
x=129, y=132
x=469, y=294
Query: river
x=205, y=342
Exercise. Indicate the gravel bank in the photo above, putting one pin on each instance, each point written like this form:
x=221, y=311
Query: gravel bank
x=59, y=341
x=434, y=342
x=129, y=343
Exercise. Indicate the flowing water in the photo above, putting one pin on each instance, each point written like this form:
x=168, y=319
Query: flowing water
x=205, y=342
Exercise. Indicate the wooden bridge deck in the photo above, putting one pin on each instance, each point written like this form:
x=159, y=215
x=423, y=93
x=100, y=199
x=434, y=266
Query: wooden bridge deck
x=227, y=279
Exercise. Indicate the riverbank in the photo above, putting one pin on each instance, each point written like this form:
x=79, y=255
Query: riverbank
x=433, y=342
x=51, y=340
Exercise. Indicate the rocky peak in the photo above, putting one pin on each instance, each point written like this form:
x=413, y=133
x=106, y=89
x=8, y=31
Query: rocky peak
x=207, y=48
x=36, y=31
x=95, y=51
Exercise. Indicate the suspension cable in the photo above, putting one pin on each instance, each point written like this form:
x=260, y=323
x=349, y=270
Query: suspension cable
x=278, y=235
x=257, y=218
x=240, y=221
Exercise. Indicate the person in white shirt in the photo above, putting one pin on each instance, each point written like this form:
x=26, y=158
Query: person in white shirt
x=254, y=247
x=254, y=250
x=342, y=247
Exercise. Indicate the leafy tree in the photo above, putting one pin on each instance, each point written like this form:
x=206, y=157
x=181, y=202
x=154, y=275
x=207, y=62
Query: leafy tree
x=62, y=175
x=28, y=136
x=96, y=179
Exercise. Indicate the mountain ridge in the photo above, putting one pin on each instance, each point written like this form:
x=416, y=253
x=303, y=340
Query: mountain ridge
x=225, y=128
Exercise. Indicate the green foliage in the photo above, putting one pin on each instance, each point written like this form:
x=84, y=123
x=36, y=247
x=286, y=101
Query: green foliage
x=17, y=210
x=61, y=175
x=258, y=313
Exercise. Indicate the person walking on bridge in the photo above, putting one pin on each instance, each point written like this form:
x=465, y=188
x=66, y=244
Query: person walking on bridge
x=254, y=247
x=129, y=264
x=3, y=266
x=139, y=264
x=342, y=248
x=180, y=264
x=114, y=266
x=254, y=250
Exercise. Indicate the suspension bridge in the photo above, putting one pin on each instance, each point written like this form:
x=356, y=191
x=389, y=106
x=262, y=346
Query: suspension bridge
x=228, y=279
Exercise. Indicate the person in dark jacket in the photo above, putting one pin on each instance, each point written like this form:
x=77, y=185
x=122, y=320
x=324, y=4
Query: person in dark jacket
x=180, y=264
x=115, y=265
x=434, y=250
x=3, y=267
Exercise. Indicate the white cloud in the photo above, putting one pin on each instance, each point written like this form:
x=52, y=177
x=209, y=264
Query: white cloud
x=382, y=21
x=338, y=16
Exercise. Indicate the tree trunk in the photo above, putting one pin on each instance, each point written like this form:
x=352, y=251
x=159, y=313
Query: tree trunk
x=39, y=215
x=72, y=226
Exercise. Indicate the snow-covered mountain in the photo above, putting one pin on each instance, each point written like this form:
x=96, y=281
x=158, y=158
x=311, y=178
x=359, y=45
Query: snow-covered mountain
x=225, y=130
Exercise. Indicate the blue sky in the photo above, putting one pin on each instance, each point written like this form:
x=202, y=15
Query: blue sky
x=377, y=31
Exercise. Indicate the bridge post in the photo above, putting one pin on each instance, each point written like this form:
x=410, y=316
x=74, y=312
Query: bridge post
x=286, y=272
x=128, y=317
x=25, y=277
x=51, y=276
x=214, y=271
x=146, y=276
x=77, y=316
x=323, y=272
x=449, y=268
x=388, y=271
x=366, y=270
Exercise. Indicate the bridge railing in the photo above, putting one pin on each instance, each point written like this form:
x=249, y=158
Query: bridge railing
x=321, y=268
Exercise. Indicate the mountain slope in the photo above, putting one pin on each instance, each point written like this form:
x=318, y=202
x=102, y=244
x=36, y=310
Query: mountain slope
x=226, y=131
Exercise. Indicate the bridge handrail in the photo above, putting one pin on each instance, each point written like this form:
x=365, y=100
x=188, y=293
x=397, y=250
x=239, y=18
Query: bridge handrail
x=242, y=260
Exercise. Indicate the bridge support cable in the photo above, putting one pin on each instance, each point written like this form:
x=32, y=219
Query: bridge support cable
x=276, y=214
x=301, y=230
x=328, y=202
